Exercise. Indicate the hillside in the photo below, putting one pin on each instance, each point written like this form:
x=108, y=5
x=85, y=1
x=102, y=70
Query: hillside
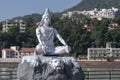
x=83, y=5
x=36, y=17
x=91, y=4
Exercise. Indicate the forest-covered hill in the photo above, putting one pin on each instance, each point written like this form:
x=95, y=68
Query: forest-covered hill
x=91, y=4
x=71, y=30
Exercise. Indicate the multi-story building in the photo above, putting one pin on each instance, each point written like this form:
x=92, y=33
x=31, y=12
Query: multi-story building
x=103, y=53
x=21, y=25
x=16, y=52
x=113, y=26
x=7, y=24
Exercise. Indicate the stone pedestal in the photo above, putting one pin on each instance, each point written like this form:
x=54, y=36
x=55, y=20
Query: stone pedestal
x=51, y=68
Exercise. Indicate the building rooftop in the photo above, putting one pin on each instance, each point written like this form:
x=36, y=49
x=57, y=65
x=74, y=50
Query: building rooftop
x=21, y=49
x=7, y=49
x=27, y=50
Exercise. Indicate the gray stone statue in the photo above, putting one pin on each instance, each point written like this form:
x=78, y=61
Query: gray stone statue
x=45, y=34
x=38, y=67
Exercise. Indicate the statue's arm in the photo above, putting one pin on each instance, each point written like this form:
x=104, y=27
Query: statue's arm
x=38, y=34
x=59, y=37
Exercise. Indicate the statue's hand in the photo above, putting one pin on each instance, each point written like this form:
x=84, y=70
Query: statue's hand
x=67, y=49
x=44, y=49
x=44, y=45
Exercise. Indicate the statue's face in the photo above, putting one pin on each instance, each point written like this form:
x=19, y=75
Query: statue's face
x=57, y=64
x=47, y=21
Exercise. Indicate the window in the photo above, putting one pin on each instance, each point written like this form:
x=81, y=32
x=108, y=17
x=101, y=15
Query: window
x=91, y=51
x=7, y=55
x=12, y=55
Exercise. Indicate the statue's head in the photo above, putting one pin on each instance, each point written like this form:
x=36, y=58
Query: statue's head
x=57, y=64
x=46, y=18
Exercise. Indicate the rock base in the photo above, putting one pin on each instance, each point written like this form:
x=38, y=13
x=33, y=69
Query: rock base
x=51, y=68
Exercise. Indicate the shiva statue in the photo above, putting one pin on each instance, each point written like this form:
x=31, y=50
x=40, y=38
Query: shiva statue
x=45, y=34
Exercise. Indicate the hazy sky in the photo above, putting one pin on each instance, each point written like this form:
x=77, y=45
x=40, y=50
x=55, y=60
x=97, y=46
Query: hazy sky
x=14, y=8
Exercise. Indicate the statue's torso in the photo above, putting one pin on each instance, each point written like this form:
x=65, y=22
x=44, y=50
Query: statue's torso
x=47, y=34
x=47, y=37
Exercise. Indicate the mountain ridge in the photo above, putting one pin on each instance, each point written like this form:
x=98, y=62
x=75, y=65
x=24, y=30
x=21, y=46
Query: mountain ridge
x=83, y=5
x=100, y=4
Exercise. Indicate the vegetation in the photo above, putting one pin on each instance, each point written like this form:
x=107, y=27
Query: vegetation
x=91, y=4
x=70, y=29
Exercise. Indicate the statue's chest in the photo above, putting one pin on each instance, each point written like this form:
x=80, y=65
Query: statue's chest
x=47, y=34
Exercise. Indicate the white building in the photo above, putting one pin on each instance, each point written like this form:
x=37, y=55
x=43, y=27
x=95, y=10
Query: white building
x=16, y=52
x=103, y=53
x=7, y=24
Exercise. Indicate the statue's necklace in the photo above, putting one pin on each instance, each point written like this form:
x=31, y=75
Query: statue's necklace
x=48, y=33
